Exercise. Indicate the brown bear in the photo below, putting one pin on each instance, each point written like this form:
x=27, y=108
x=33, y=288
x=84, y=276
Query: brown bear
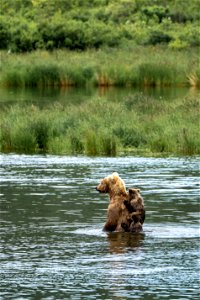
x=117, y=213
x=135, y=206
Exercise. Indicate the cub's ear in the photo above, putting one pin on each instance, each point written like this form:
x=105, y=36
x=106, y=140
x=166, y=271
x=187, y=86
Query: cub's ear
x=134, y=191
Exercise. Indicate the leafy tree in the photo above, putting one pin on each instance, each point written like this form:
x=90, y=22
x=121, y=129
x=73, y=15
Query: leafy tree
x=26, y=25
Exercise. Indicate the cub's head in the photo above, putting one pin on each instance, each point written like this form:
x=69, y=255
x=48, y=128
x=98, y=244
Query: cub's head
x=133, y=194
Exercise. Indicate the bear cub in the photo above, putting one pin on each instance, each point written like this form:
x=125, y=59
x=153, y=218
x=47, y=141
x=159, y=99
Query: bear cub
x=135, y=206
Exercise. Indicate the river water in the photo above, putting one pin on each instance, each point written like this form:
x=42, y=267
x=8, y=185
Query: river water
x=52, y=244
x=47, y=96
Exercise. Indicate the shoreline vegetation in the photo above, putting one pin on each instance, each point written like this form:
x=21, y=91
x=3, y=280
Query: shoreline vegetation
x=101, y=43
x=28, y=25
x=137, y=124
x=136, y=66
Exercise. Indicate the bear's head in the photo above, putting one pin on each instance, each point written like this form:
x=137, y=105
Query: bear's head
x=112, y=184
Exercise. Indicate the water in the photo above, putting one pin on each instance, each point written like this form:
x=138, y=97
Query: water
x=52, y=244
x=44, y=97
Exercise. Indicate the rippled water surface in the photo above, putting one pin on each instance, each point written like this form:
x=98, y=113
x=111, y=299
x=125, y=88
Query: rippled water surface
x=52, y=244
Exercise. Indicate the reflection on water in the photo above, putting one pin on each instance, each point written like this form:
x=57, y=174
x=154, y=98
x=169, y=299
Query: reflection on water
x=44, y=97
x=52, y=243
x=121, y=242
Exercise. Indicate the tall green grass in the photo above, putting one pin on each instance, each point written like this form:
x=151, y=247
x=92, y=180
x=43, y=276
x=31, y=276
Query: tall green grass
x=101, y=127
x=135, y=66
x=156, y=74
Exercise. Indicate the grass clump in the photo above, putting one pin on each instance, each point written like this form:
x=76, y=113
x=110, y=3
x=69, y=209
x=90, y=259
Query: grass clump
x=155, y=74
x=91, y=143
x=194, y=78
x=108, y=145
x=43, y=75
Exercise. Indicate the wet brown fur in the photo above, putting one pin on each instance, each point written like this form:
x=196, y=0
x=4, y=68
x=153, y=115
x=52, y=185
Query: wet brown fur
x=117, y=213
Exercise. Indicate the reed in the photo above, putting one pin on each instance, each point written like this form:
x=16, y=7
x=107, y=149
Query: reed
x=91, y=143
x=190, y=143
x=108, y=145
x=155, y=74
x=100, y=127
x=117, y=75
x=194, y=78
x=42, y=75
x=137, y=66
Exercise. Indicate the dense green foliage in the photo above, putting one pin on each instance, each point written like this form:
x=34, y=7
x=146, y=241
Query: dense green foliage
x=136, y=66
x=112, y=34
x=102, y=127
x=27, y=25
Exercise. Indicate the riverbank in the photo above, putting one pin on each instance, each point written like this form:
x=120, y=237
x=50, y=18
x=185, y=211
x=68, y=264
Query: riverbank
x=131, y=66
x=101, y=127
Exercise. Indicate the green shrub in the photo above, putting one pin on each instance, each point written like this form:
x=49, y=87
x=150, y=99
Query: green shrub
x=178, y=44
x=79, y=25
x=5, y=35
x=158, y=37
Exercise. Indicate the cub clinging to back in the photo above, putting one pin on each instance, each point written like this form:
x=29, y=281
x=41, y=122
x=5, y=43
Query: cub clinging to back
x=135, y=206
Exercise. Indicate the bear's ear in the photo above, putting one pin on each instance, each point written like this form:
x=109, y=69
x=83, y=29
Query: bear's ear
x=115, y=174
x=114, y=177
x=138, y=190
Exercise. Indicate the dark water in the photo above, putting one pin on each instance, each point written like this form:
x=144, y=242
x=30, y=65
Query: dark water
x=44, y=97
x=52, y=244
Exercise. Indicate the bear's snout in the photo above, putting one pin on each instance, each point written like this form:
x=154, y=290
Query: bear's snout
x=101, y=188
x=97, y=188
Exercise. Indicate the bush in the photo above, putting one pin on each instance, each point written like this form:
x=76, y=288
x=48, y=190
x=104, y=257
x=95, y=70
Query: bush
x=178, y=44
x=5, y=35
x=78, y=25
x=158, y=37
